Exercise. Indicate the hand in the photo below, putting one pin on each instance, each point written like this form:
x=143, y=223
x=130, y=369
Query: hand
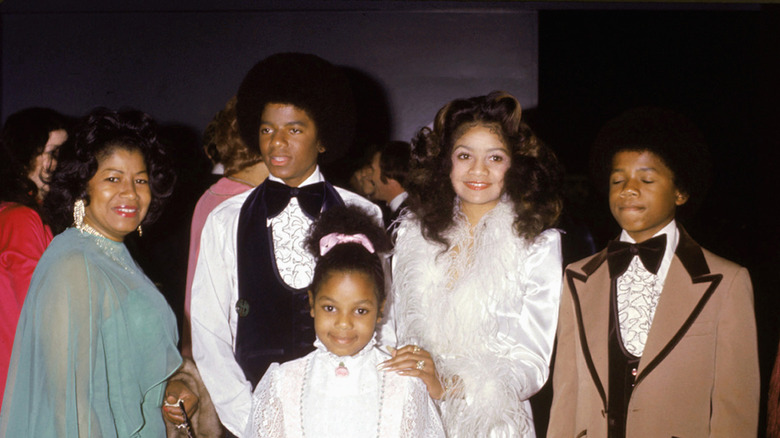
x=175, y=391
x=412, y=360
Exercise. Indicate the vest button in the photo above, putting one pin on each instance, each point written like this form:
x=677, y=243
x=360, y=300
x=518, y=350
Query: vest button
x=242, y=307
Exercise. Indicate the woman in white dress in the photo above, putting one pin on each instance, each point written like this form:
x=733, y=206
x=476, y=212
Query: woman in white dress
x=477, y=267
x=337, y=390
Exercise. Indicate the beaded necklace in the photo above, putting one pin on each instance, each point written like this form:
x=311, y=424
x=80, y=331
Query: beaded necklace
x=109, y=247
x=86, y=228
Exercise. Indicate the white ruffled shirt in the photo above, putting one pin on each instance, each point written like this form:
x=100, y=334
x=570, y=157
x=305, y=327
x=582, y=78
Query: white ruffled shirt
x=288, y=230
x=307, y=397
x=214, y=319
x=487, y=314
x=638, y=292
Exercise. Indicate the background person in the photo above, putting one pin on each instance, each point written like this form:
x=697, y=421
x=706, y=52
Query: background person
x=360, y=181
x=28, y=149
x=773, y=403
x=390, y=166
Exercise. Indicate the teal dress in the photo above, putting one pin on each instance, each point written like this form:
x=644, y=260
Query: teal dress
x=94, y=346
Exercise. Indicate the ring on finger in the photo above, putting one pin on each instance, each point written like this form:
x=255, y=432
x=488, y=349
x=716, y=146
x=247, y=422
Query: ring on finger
x=415, y=349
x=420, y=365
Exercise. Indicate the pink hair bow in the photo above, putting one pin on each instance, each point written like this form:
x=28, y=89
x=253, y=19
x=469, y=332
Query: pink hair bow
x=329, y=241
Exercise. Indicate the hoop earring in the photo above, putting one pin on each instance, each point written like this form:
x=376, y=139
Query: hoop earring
x=78, y=214
x=140, y=231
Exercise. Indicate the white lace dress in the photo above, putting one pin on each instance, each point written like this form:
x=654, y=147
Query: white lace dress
x=307, y=397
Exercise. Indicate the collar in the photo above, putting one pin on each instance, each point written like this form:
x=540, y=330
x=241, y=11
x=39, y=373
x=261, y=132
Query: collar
x=688, y=251
x=397, y=201
x=315, y=177
x=335, y=360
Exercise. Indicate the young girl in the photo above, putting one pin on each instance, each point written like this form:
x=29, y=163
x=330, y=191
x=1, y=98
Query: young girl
x=477, y=268
x=337, y=390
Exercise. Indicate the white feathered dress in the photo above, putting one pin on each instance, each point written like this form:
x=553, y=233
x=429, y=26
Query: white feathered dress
x=487, y=313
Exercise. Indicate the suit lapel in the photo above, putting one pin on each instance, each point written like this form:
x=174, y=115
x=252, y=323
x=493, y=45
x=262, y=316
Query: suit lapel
x=688, y=286
x=591, y=291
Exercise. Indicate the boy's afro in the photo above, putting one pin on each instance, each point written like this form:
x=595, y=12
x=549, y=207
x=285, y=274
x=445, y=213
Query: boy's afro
x=667, y=134
x=307, y=82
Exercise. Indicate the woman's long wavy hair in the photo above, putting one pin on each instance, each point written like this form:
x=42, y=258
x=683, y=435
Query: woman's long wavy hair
x=532, y=182
x=98, y=135
x=22, y=139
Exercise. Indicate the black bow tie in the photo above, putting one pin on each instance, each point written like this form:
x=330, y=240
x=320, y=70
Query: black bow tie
x=278, y=195
x=650, y=252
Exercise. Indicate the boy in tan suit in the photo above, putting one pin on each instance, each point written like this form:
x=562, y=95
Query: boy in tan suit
x=656, y=336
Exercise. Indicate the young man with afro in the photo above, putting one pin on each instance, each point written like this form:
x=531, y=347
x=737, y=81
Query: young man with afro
x=249, y=302
x=657, y=335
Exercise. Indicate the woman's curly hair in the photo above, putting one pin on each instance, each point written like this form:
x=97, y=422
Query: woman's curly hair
x=304, y=81
x=223, y=144
x=100, y=133
x=532, y=182
x=349, y=257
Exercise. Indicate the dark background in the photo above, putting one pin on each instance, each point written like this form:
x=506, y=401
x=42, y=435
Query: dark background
x=718, y=66
x=576, y=64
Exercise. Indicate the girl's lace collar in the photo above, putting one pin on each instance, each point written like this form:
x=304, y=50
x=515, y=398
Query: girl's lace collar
x=341, y=366
x=346, y=360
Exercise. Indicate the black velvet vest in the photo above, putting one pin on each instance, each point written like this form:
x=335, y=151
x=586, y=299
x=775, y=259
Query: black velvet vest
x=274, y=324
x=622, y=372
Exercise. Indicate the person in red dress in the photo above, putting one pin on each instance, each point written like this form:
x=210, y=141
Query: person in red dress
x=28, y=146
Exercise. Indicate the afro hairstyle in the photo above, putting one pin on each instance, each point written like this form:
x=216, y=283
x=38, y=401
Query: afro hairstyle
x=669, y=135
x=307, y=82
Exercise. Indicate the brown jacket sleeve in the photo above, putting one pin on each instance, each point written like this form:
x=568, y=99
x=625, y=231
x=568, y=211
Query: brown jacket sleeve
x=564, y=372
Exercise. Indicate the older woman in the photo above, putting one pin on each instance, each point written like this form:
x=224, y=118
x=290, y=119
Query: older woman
x=96, y=341
x=477, y=268
x=28, y=147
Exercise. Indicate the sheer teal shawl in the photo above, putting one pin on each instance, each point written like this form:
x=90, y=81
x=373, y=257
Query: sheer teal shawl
x=93, y=348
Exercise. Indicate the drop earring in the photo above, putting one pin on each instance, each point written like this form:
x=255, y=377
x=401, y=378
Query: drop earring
x=140, y=231
x=78, y=214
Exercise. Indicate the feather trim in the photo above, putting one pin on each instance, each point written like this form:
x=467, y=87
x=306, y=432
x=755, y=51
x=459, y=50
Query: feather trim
x=449, y=302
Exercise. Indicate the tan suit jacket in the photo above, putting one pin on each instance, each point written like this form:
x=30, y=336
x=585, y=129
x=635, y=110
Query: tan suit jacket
x=698, y=376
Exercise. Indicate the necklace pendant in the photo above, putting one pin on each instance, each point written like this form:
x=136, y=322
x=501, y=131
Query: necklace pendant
x=341, y=370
